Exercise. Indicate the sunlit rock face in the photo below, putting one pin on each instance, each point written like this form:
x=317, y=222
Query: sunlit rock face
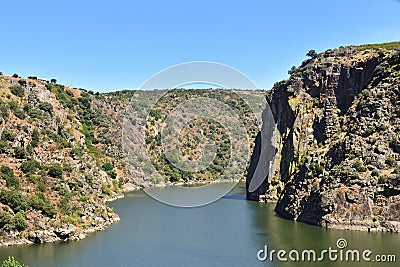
x=337, y=132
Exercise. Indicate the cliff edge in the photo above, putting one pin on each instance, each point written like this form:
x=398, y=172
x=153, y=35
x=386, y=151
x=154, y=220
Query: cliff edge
x=337, y=130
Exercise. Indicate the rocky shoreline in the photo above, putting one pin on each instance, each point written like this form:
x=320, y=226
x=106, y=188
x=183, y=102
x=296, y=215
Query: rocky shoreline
x=343, y=224
x=70, y=232
x=65, y=232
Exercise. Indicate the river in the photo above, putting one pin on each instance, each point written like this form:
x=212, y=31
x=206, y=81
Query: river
x=228, y=232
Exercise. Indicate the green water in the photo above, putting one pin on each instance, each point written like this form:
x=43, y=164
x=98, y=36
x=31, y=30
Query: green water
x=228, y=232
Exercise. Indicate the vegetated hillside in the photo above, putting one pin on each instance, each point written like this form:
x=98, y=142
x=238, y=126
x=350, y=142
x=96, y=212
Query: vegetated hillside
x=62, y=156
x=338, y=124
x=58, y=163
x=192, y=135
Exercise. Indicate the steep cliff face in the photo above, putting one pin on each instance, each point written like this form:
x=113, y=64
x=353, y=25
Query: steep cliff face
x=338, y=122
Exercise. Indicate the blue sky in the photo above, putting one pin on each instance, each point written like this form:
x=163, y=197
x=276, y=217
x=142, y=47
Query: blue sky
x=111, y=45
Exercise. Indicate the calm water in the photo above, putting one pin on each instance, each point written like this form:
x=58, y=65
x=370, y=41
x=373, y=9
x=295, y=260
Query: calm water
x=228, y=232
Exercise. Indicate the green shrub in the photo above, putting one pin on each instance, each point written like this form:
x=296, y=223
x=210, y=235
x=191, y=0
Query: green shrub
x=345, y=173
x=369, y=131
x=390, y=161
x=316, y=169
x=19, y=113
x=18, y=222
x=11, y=262
x=397, y=169
x=40, y=202
x=89, y=179
x=7, y=174
x=35, y=113
x=365, y=93
x=55, y=171
x=112, y=174
x=312, y=53
x=13, y=105
x=4, y=111
x=17, y=90
x=108, y=166
x=292, y=70
x=3, y=146
x=383, y=179
x=5, y=219
x=35, y=138
x=375, y=173
x=106, y=190
x=22, y=82
x=174, y=175
x=8, y=136
x=67, y=168
x=46, y=107
x=33, y=178
x=359, y=166
x=64, y=205
x=12, y=182
x=27, y=107
x=76, y=151
x=69, y=93
x=30, y=166
x=6, y=171
x=156, y=114
x=395, y=144
x=20, y=152
x=14, y=199
x=9, y=222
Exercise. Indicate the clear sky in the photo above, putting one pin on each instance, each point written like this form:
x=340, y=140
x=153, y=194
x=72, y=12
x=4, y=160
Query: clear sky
x=111, y=45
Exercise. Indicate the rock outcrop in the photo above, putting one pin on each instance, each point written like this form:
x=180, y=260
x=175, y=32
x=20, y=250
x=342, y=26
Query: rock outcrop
x=338, y=125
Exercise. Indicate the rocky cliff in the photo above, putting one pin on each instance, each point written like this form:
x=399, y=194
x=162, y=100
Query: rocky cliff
x=337, y=122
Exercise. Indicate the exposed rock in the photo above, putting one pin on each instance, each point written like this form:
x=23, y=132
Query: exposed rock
x=338, y=119
x=42, y=236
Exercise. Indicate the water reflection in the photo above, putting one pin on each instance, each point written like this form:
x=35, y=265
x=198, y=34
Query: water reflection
x=279, y=233
x=228, y=232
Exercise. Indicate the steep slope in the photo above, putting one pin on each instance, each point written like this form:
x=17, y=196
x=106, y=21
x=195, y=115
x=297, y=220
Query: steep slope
x=338, y=123
x=56, y=173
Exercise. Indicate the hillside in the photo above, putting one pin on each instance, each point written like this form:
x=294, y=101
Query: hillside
x=58, y=164
x=62, y=156
x=338, y=126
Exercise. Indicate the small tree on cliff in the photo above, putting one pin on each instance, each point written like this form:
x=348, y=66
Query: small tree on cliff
x=312, y=53
x=292, y=70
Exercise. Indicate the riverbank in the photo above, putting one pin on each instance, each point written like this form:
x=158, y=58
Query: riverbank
x=228, y=232
x=70, y=232
x=331, y=222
